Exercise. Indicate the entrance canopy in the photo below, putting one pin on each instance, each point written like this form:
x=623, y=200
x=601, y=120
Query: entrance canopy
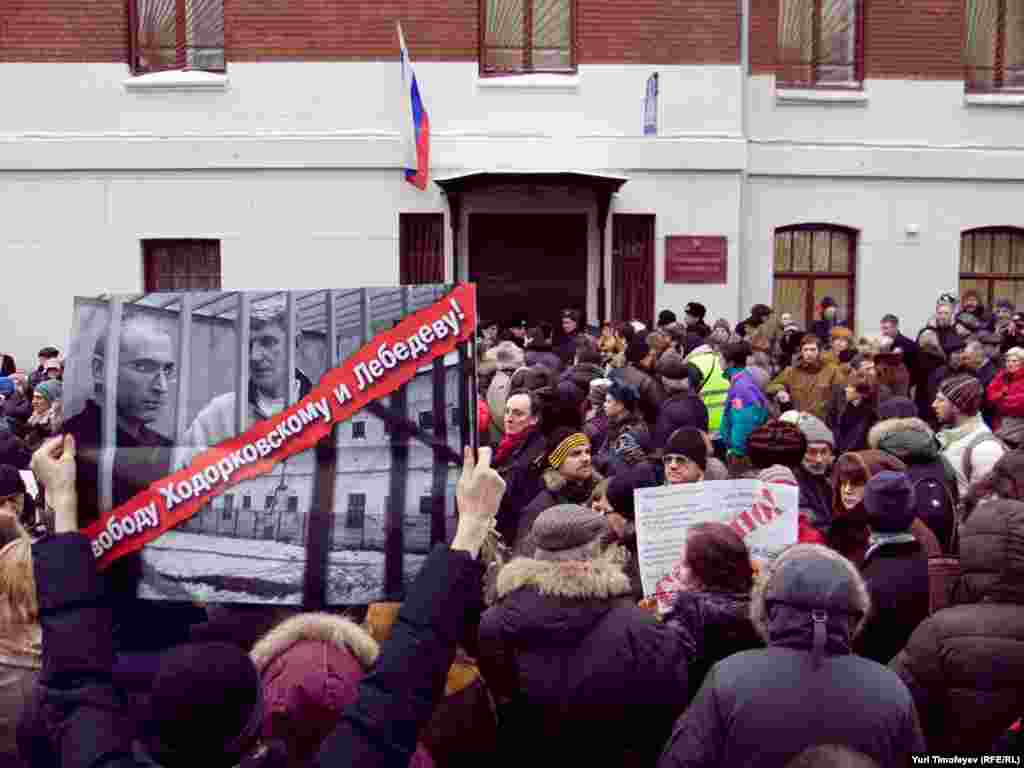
x=600, y=186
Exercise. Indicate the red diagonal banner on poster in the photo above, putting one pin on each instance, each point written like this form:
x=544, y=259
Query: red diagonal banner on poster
x=390, y=360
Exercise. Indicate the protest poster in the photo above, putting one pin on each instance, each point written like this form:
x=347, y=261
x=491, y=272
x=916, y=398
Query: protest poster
x=765, y=515
x=286, y=447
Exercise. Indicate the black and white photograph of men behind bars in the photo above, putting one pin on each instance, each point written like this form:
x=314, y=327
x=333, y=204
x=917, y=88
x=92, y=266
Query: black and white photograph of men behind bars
x=366, y=505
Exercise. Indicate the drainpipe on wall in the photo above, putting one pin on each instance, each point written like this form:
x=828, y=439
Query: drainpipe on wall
x=744, y=213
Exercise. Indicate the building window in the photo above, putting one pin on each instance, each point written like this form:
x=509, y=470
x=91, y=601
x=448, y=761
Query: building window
x=421, y=248
x=427, y=421
x=176, y=34
x=229, y=506
x=356, y=513
x=821, y=43
x=427, y=505
x=520, y=36
x=181, y=265
x=994, y=45
x=813, y=261
x=992, y=263
x=358, y=430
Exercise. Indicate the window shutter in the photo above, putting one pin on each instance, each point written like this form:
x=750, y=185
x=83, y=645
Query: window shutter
x=552, y=35
x=178, y=34
x=980, y=44
x=504, y=36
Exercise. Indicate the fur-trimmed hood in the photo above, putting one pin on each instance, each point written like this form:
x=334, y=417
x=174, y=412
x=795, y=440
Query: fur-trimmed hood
x=559, y=485
x=910, y=440
x=322, y=627
x=599, y=579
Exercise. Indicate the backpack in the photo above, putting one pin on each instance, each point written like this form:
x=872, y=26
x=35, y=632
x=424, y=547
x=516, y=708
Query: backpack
x=936, y=508
x=984, y=437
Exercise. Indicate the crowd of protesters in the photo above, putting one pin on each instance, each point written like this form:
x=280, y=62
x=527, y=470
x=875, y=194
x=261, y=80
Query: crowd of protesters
x=894, y=626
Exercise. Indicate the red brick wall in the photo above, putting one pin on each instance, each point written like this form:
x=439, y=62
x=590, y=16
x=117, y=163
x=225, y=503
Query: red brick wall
x=63, y=30
x=658, y=32
x=903, y=39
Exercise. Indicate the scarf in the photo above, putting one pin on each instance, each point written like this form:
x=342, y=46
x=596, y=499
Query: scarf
x=879, y=539
x=509, y=444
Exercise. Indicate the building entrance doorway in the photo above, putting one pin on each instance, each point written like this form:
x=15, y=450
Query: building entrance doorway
x=528, y=265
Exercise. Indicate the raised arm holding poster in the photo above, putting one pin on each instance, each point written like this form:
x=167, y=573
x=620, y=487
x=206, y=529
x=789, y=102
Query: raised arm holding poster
x=277, y=447
x=765, y=515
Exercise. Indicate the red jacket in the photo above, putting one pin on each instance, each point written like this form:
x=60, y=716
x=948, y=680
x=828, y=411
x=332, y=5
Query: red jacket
x=1006, y=394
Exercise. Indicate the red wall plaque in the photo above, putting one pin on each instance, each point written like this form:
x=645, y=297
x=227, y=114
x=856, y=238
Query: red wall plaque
x=696, y=258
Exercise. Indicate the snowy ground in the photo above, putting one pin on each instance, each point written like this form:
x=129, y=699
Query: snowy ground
x=189, y=566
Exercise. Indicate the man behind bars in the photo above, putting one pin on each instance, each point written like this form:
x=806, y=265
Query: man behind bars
x=268, y=384
x=146, y=373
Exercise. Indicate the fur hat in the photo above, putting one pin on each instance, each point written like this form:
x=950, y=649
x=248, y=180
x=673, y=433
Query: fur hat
x=507, y=355
x=889, y=502
x=688, y=442
x=964, y=392
x=206, y=706
x=776, y=442
x=722, y=323
x=761, y=310
x=814, y=429
x=568, y=532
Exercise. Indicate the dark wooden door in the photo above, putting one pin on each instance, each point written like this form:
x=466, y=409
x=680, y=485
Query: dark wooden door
x=633, y=267
x=529, y=265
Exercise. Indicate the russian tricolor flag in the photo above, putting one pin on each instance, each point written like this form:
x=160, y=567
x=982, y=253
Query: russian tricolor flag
x=417, y=124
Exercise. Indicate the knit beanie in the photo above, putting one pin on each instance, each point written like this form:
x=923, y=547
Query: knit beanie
x=889, y=502
x=672, y=367
x=839, y=332
x=637, y=350
x=568, y=532
x=620, y=494
x=722, y=323
x=206, y=706
x=598, y=389
x=6, y=386
x=666, y=317
x=559, y=442
x=815, y=430
x=776, y=442
x=10, y=481
x=689, y=442
x=624, y=393
x=964, y=392
x=51, y=389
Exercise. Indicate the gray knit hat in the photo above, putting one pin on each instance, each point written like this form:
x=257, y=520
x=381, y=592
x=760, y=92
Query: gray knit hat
x=568, y=532
x=814, y=429
x=964, y=392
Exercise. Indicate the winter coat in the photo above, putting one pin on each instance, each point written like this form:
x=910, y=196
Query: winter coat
x=896, y=575
x=909, y=348
x=522, y=483
x=596, y=428
x=13, y=451
x=949, y=339
x=680, y=410
x=77, y=696
x=815, y=497
x=965, y=664
x=565, y=349
x=745, y=410
x=556, y=490
x=578, y=668
x=652, y=394
x=713, y=625
x=984, y=452
x=924, y=390
x=763, y=707
x=714, y=388
x=850, y=423
x=17, y=408
x=1005, y=395
x=913, y=442
x=809, y=386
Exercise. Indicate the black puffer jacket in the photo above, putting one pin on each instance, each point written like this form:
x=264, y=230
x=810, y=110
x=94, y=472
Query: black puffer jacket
x=763, y=707
x=556, y=490
x=965, y=664
x=522, y=483
x=713, y=625
x=652, y=394
x=577, y=668
x=897, y=578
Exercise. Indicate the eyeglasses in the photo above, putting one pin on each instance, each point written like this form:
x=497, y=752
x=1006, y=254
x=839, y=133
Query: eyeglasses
x=145, y=367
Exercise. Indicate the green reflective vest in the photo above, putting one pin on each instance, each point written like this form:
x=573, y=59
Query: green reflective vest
x=715, y=388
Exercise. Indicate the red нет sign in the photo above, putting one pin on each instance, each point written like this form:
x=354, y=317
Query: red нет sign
x=695, y=258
